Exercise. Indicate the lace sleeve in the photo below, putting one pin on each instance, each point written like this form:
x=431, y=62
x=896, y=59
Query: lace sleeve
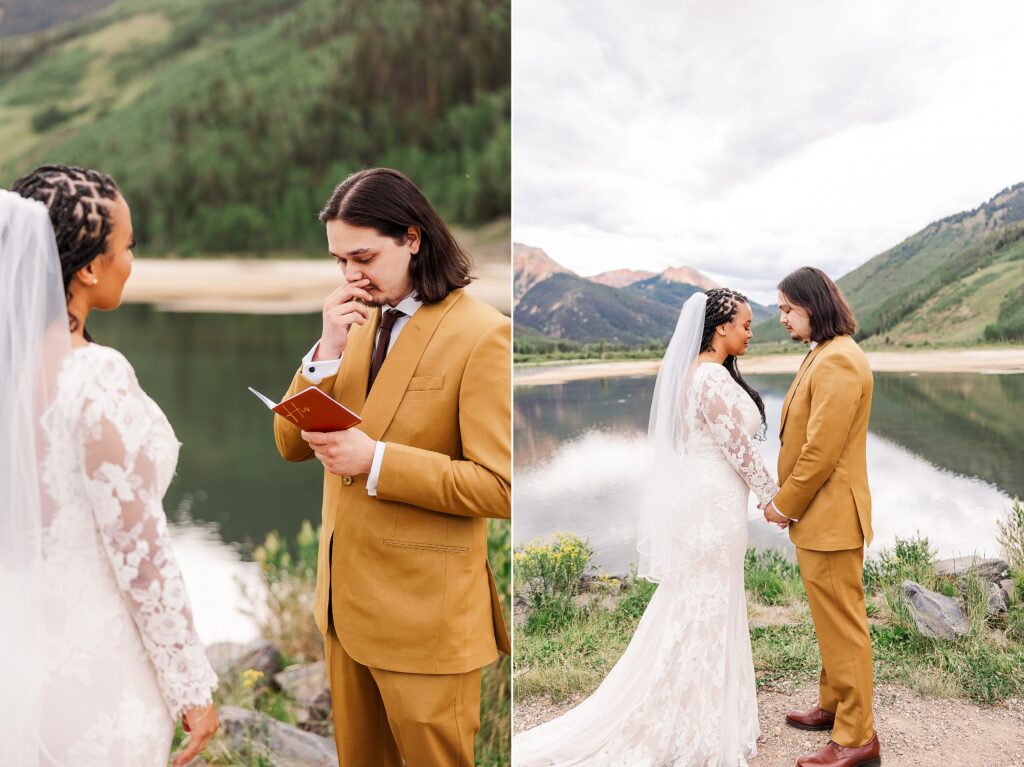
x=125, y=495
x=718, y=400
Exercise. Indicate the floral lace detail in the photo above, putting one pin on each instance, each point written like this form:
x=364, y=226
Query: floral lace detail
x=121, y=640
x=721, y=410
x=683, y=693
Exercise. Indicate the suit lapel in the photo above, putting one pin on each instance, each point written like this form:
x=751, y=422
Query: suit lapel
x=393, y=378
x=350, y=388
x=804, y=367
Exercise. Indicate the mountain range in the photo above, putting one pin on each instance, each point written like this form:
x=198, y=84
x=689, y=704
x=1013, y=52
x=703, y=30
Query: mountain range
x=623, y=306
x=960, y=280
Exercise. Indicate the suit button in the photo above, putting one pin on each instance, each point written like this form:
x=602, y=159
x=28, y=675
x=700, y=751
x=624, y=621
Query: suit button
x=346, y=481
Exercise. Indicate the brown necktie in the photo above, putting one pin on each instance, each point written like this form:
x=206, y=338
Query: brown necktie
x=387, y=321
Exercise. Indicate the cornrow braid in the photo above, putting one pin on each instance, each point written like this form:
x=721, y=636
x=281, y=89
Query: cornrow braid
x=722, y=306
x=81, y=221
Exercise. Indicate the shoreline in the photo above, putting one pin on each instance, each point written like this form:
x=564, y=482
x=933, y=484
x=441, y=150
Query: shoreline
x=269, y=286
x=1006, y=361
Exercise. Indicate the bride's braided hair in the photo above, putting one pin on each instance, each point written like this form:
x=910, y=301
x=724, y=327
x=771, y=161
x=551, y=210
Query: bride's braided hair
x=81, y=219
x=721, y=307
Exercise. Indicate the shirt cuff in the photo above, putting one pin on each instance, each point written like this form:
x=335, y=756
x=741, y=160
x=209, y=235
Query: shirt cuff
x=371, y=481
x=779, y=512
x=315, y=372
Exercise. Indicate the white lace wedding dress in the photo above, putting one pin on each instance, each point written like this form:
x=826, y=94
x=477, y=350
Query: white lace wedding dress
x=121, y=656
x=683, y=692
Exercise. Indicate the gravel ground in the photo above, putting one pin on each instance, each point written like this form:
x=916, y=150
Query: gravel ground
x=914, y=731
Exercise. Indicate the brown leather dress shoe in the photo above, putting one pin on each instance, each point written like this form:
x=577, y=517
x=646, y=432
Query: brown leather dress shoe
x=834, y=755
x=815, y=719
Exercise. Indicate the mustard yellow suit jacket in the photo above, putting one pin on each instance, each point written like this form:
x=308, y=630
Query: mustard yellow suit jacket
x=406, y=572
x=823, y=469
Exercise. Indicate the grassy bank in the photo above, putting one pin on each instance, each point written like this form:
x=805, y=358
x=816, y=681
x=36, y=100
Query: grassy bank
x=571, y=627
x=286, y=618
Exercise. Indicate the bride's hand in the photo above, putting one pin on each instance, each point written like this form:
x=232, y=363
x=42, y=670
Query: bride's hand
x=200, y=723
x=771, y=515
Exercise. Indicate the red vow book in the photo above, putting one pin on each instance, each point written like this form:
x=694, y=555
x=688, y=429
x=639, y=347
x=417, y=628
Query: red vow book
x=312, y=410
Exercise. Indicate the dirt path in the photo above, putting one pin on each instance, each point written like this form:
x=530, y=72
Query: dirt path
x=914, y=731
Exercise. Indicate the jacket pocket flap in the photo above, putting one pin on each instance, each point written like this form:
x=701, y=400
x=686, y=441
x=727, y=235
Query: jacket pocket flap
x=425, y=383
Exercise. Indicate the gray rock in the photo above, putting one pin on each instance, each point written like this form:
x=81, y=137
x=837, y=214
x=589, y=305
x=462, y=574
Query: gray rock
x=308, y=686
x=997, y=601
x=279, y=744
x=936, y=615
x=1010, y=589
x=991, y=570
x=231, y=659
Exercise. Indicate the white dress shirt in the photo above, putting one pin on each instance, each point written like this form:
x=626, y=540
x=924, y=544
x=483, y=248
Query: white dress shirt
x=772, y=502
x=315, y=372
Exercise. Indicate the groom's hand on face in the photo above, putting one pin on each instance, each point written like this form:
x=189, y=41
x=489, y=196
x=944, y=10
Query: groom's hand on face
x=342, y=309
x=346, y=453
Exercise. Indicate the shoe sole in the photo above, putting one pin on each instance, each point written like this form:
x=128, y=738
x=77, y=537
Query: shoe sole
x=876, y=762
x=809, y=728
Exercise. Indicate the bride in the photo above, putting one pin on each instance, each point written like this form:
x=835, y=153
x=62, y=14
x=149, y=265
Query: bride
x=683, y=692
x=101, y=655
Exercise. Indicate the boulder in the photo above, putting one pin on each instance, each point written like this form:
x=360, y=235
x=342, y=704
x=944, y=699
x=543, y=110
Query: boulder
x=308, y=686
x=1010, y=589
x=991, y=570
x=997, y=600
x=268, y=741
x=936, y=615
x=231, y=659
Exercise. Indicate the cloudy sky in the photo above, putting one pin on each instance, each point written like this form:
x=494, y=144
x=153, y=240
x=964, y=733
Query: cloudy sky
x=749, y=138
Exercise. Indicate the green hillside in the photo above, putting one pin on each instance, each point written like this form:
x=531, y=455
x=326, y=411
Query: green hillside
x=958, y=281
x=228, y=122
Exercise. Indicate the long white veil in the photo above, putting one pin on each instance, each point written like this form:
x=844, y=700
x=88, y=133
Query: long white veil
x=34, y=340
x=662, y=499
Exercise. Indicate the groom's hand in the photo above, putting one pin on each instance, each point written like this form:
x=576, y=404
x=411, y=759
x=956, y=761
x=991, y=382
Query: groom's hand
x=771, y=515
x=346, y=453
x=342, y=309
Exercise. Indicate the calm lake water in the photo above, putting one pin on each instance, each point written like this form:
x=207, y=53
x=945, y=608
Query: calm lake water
x=232, y=487
x=945, y=457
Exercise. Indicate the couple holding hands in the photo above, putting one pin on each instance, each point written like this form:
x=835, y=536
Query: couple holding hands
x=107, y=654
x=684, y=693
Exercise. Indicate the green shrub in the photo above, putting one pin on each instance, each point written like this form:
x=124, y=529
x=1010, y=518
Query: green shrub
x=289, y=574
x=911, y=559
x=545, y=569
x=554, y=613
x=635, y=599
x=771, y=578
x=50, y=117
x=1011, y=538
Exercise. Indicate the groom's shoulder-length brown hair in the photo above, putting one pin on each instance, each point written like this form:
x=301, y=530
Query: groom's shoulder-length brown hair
x=389, y=202
x=813, y=290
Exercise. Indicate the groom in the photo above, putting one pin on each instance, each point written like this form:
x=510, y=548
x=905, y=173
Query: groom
x=405, y=597
x=826, y=502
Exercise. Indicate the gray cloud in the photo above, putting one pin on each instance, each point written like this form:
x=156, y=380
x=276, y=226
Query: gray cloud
x=746, y=138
